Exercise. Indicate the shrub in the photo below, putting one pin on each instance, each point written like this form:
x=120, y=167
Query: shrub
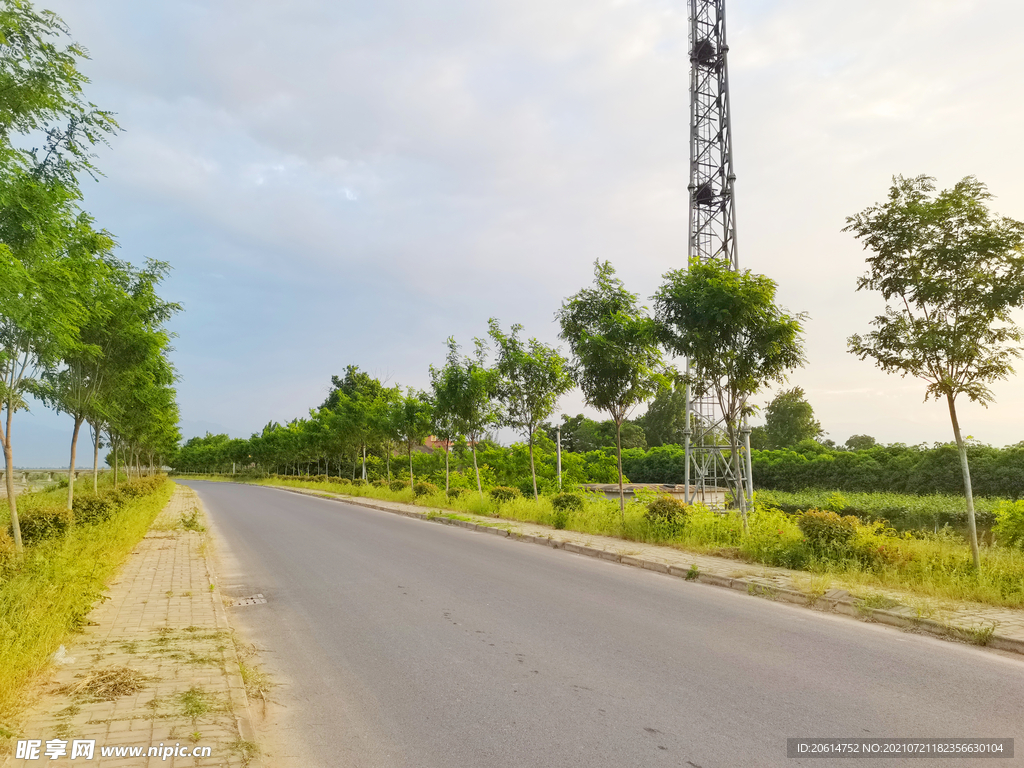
x=560, y=519
x=359, y=482
x=341, y=481
x=7, y=552
x=44, y=523
x=424, y=489
x=500, y=494
x=454, y=493
x=96, y=508
x=666, y=509
x=380, y=482
x=398, y=485
x=1009, y=527
x=826, y=532
x=567, y=502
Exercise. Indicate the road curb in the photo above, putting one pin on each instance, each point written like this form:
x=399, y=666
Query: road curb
x=843, y=605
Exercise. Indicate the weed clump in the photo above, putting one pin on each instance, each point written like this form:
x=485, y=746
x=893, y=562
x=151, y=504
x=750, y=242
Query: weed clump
x=44, y=523
x=502, y=494
x=7, y=551
x=1009, y=527
x=666, y=509
x=454, y=493
x=424, y=489
x=826, y=532
x=96, y=508
x=568, y=502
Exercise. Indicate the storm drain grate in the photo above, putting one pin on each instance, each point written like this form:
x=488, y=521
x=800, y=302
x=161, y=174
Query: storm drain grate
x=250, y=600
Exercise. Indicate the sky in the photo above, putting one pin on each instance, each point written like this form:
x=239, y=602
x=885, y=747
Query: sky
x=342, y=182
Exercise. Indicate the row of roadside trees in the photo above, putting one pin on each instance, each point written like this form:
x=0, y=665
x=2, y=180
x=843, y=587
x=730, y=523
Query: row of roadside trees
x=80, y=330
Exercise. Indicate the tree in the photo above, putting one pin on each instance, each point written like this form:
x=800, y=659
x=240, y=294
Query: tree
x=950, y=272
x=617, y=359
x=412, y=419
x=40, y=99
x=860, y=442
x=736, y=339
x=445, y=386
x=530, y=377
x=789, y=418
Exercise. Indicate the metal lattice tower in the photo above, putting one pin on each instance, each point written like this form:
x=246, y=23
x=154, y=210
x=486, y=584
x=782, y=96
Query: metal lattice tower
x=712, y=235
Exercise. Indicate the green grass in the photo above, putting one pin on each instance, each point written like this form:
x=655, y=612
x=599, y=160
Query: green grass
x=45, y=597
x=903, y=511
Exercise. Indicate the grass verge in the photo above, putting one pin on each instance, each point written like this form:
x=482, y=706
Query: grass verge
x=46, y=596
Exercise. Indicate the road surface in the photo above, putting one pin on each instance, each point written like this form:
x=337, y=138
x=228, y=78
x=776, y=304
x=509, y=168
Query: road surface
x=406, y=643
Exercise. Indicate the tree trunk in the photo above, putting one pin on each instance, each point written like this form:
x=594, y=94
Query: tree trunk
x=618, y=450
x=12, y=502
x=446, y=477
x=411, y=479
x=387, y=449
x=364, y=462
x=741, y=495
x=972, y=528
x=96, y=460
x=533, y=470
x=476, y=469
x=71, y=471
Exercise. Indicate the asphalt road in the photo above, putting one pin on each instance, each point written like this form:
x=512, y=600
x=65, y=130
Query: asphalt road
x=406, y=643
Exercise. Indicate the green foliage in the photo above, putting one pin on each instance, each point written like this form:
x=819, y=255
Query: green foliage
x=665, y=419
x=398, y=485
x=424, y=489
x=44, y=523
x=827, y=533
x=789, y=419
x=570, y=502
x=737, y=340
x=454, y=493
x=7, y=551
x=617, y=358
x=357, y=482
x=96, y=508
x=666, y=509
x=835, y=502
x=1009, y=527
x=860, y=442
x=528, y=380
x=503, y=494
x=952, y=271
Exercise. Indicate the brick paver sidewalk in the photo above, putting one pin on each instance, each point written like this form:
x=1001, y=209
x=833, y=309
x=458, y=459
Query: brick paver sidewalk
x=161, y=644
x=1001, y=628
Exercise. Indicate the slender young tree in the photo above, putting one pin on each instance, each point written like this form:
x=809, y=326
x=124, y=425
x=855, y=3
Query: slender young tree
x=530, y=377
x=412, y=419
x=445, y=386
x=473, y=387
x=950, y=272
x=615, y=345
x=736, y=339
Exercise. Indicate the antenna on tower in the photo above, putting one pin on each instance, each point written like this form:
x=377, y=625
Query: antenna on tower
x=712, y=235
